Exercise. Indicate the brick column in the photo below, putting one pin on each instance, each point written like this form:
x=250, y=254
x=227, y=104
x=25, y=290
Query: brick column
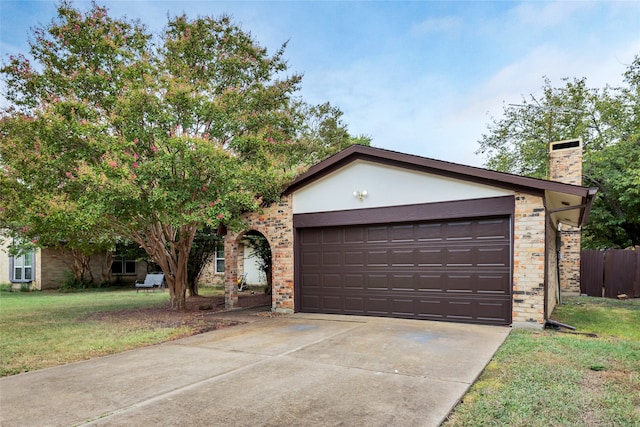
x=528, y=261
x=565, y=165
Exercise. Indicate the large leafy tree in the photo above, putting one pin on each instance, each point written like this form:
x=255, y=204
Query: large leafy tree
x=150, y=138
x=607, y=120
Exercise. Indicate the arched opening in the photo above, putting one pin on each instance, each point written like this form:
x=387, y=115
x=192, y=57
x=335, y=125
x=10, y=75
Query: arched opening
x=274, y=223
x=255, y=263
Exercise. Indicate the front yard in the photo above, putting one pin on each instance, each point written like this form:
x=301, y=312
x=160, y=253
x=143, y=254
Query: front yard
x=43, y=329
x=552, y=378
x=546, y=378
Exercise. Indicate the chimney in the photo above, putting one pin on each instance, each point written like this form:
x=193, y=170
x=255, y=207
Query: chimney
x=565, y=161
x=565, y=165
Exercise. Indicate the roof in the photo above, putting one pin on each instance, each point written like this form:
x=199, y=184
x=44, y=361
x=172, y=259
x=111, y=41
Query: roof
x=566, y=203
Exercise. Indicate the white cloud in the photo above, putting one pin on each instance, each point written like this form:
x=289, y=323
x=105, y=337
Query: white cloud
x=539, y=15
x=437, y=25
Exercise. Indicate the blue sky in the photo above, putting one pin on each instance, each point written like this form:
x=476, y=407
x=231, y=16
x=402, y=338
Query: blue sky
x=422, y=77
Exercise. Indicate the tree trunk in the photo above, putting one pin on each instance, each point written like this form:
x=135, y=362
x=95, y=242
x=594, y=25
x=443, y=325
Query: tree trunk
x=269, y=274
x=80, y=266
x=105, y=268
x=193, y=287
x=169, y=248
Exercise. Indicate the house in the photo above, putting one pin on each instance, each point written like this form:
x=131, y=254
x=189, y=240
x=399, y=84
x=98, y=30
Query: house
x=380, y=233
x=47, y=268
x=213, y=271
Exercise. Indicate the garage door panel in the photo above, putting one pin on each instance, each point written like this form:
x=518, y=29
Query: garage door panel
x=354, y=258
x=311, y=259
x=493, y=256
x=493, y=229
x=333, y=280
x=457, y=283
x=402, y=307
x=377, y=258
x=400, y=257
x=378, y=306
x=332, y=303
x=430, y=283
x=430, y=309
x=454, y=270
x=311, y=237
x=312, y=303
x=354, y=235
x=354, y=281
x=402, y=233
x=332, y=259
x=459, y=257
x=377, y=234
x=354, y=305
x=403, y=282
x=431, y=257
x=331, y=235
x=429, y=233
x=311, y=281
x=462, y=230
x=496, y=284
x=377, y=282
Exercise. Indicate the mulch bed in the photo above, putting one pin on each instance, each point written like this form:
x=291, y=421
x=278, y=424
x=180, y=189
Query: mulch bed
x=196, y=317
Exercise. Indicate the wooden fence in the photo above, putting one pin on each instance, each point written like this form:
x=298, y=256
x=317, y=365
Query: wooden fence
x=610, y=273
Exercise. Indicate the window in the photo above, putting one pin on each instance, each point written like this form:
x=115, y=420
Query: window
x=121, y=266
x=220, y=258
x=22, y=267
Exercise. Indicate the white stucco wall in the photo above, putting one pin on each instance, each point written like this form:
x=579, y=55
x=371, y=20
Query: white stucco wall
x=254, y=275
x=4, y=260
x=385, y=186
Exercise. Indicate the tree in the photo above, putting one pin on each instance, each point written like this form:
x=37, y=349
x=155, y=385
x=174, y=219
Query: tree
x=261, y=250
x=608, y=121
x=202, y=252
x=153, y=138
x=56, y=217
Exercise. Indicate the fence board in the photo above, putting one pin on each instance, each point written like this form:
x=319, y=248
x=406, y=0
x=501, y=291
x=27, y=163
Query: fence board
x=636, y=284
x=615, y=270
x=591, y=273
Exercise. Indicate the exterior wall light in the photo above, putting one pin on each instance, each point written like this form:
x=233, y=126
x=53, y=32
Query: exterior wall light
x=360, y=194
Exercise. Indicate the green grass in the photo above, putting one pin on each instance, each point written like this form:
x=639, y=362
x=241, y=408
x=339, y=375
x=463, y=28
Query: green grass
x=550, y=378
x=41, y=329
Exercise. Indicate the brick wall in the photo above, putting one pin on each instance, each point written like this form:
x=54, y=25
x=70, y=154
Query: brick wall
x=53, y=268
x=528, y=260
x=209, y=277
x=565, y=165
x=570, y=259
x=276, y=224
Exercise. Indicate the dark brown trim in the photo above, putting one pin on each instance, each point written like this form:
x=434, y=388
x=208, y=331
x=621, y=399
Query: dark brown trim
x=438, y=167
x=409, y=213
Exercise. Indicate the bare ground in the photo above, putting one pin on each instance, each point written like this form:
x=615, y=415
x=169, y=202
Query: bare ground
x=195, y=319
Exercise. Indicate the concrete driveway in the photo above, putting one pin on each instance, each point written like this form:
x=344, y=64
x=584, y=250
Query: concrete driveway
x=298, y=370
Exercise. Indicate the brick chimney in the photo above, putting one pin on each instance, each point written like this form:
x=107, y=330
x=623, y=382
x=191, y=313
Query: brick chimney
x=565, y=165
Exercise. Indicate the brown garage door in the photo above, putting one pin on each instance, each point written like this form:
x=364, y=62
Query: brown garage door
x=453, y=270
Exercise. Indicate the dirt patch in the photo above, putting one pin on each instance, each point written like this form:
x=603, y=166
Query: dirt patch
x=195, y=319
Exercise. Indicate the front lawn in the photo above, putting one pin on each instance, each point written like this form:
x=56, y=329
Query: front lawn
x=42, y=329
x=550, y=378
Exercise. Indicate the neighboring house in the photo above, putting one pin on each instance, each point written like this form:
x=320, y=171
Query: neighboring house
x=381, y=233
x=213, y=272
x=47, y=268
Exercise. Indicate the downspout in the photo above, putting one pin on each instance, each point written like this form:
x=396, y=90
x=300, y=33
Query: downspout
x=558, y=244
x=547, y=221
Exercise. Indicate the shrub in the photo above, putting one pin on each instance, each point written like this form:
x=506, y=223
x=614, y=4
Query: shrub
x=71, y=284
